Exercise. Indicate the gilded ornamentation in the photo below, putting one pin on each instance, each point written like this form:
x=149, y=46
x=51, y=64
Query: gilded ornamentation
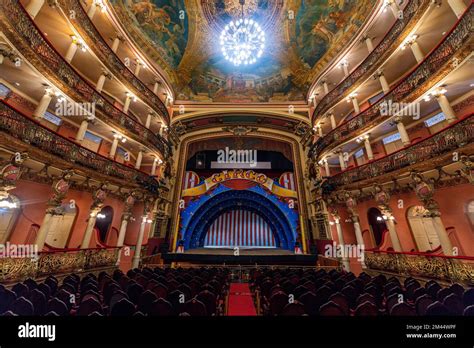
x=10, y=173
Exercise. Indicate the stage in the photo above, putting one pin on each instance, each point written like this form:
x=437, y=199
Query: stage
x=247, y=256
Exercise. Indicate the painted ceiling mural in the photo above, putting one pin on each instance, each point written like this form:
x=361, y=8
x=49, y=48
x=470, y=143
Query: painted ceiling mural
x=182, y=37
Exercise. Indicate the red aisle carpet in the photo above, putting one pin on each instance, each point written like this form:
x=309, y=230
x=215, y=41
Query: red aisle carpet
x=240, y=300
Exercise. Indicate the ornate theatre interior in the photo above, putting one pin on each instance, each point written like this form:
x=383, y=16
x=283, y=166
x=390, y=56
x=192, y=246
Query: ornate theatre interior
x=148, y=148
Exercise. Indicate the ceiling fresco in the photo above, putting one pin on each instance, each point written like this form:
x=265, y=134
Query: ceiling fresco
x=182, y=36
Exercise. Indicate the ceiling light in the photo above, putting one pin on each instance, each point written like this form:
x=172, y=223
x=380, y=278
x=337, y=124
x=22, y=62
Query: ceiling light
x=6, y=203
x=242, y=41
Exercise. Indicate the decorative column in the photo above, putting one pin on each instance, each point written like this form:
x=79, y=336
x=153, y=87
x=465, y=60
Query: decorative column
x=71, y=51
x=60, y=190
x=458, y=7
x=113, y=148
x=333, y=120
x=393, y=7
x=425, y=193
x=326, y=167
x=153, y=167
x=445, y=105
x=126, y=215
x=355, y=103
x=403, y=132
x=33, y=7
x=351, y=205
x=325, y=87
x=155, y=86
x=320, y=130
x=415, y=48
x=368, y=147
x=92, y=9
x=138, y=163
x=340, y=237
x=100, y=82
x=44, y=103
x=98, y=198
x=368, y=41
x=382, y=198
x=345, y=66
x=116, y=43
x=342, y=162
x=141, y=232
x=383, y=81
x=82, y=131
x=138, y=65
x=128, y=99
x=149, y=117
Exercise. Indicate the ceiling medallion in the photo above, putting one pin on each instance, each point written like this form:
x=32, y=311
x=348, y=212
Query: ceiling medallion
x=242, y=41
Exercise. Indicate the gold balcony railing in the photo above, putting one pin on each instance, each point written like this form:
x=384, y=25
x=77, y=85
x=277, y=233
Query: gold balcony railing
x=22, y=31
x=58, y=262
x=94, y=40
x=390, y=42
x=452, y=50
x=455, y=136
x=423, y=265
x=33, y=133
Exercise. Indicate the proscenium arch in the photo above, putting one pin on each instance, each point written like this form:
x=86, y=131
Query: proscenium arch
x=206, y=214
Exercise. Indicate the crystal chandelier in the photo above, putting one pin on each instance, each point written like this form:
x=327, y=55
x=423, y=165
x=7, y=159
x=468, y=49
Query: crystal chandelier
x=242, y=41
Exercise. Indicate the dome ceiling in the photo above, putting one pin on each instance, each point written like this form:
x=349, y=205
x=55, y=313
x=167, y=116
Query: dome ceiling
x=182, y=36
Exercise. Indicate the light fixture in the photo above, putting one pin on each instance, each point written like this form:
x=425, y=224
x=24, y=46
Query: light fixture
x=120, y=137
x=101, y=216
x=435, y=93
x=131, y=96
x=379, y=218
x=409, y=40
x=8, y=204
x=242, y=41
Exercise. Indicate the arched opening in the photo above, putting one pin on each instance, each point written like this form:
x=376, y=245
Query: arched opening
x=9, y=211
x=422, y=228
x=104, y=222
x=61, y=226
x=470, y=213
x=377, y=225
x=270, y=214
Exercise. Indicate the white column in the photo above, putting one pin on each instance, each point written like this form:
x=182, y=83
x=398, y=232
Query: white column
x=162, y=127
x=320, y=131
x=71, y=51
x=368, y=149
x=82, y=131
x=345, y=66
x=43, y=231
x=355, y=103
x=116, y=43
x=383, y=82
x=403, y=132
x=113, y=149
x=393, y=234
x=325, y=87
x=415, y=48
x=121, y=236
x=155, y=87
x=33, y=7
x=370, y=45
x=148, y=120
x=138, y=246
x=137, y=68
x=153, y=167
x=92, y=9
x=101, y=81
x=138, y=163
x=126, y=105
x=2, y=58
x=446, y=108
x=359, y=238
x=86, y=240
x=342, y=163
x=333, y=120
x=340, y=236
x=326, y=167
x=446, y=244
x=458, y=7
x=43, y=104
x=395, y=9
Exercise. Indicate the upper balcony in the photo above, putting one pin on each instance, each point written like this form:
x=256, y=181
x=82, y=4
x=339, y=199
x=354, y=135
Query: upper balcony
x=66, y=153
x=23, y=33
x=412, y=13
x=445, y=57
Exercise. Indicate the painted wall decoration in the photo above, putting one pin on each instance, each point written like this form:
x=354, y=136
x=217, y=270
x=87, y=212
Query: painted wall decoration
x=300, y=35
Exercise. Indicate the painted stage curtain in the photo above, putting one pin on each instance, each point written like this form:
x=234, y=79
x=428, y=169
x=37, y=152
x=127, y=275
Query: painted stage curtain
x=240, y=228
